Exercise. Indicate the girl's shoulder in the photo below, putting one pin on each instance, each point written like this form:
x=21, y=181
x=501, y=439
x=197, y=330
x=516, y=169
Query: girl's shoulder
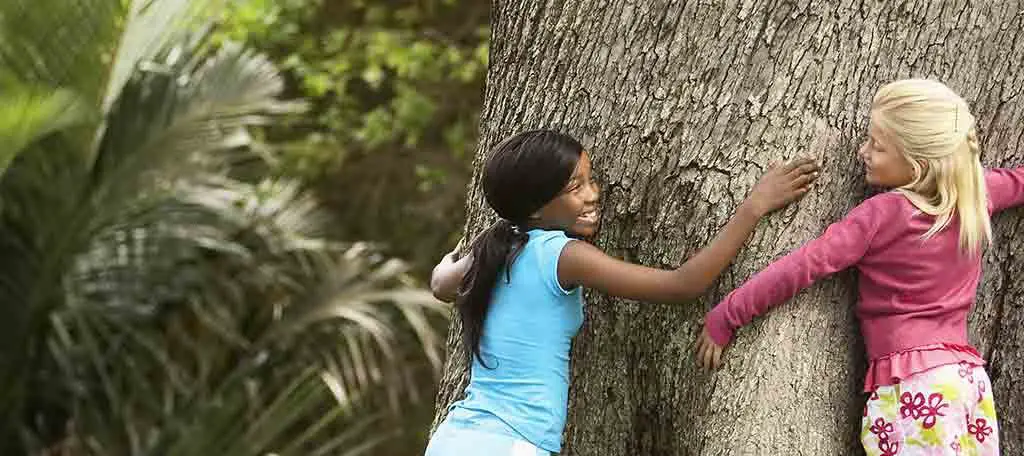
x=880, y=205
x=543, y=252
x=887, y=198
x=542, y=237
x=547, y=244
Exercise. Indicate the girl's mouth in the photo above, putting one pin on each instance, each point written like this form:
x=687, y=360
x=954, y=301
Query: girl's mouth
x=589, y=216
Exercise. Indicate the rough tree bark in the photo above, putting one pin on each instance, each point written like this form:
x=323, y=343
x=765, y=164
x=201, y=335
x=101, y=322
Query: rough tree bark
x=682, y=105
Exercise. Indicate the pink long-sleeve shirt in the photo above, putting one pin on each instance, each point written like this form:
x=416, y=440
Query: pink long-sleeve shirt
x=915, y=294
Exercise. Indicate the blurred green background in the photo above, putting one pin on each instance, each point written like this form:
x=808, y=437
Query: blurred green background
x=217, y=219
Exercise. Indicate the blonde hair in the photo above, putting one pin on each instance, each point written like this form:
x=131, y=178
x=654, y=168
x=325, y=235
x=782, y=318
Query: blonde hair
x=934, y=130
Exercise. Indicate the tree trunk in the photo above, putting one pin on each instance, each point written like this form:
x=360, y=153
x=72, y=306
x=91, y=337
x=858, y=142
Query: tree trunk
x=682, y=105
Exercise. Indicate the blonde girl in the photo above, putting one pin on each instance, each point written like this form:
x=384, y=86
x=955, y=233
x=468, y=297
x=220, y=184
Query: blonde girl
x=917, y=249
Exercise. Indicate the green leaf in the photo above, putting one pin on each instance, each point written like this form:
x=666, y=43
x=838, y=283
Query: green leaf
x=59, y=43
x=150, y=26
x=28, y=115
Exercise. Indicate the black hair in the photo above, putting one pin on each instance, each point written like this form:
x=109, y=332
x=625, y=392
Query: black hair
x=522, y=174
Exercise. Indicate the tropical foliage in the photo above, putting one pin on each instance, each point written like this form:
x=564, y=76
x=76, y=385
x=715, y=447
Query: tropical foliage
x=163, y=291
x=395, y=89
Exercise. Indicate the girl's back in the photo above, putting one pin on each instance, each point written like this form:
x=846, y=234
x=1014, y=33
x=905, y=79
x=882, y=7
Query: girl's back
x=913, y=291
x=525, y=346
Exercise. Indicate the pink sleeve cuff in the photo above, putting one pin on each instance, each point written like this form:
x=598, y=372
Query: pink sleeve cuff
x=1005, y=188
x=718, y=328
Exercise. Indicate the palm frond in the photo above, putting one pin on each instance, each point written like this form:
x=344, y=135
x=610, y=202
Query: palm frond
x=167, y=308
x=223, y=286
x=365, y=305
x=26, y=115
x=62, y=44
x=171, y=115
x=56, y=203
x=151, y=27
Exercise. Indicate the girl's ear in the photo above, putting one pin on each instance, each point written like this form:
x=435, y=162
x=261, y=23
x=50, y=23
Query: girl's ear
x=924, y=166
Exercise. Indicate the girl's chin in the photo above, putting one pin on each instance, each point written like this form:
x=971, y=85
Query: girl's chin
x=583, y=231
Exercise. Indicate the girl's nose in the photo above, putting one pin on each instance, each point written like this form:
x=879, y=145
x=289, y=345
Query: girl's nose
x=593, y=193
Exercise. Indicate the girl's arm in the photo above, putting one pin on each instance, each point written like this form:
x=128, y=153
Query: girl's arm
x=447, y=275
x=583, y=264
x=1005, y=188
x=842, y=245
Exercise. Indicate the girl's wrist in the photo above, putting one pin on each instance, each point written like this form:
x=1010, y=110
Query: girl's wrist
x=750, y=208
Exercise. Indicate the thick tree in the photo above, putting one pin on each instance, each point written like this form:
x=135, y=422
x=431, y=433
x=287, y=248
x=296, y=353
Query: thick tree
x=682, y=105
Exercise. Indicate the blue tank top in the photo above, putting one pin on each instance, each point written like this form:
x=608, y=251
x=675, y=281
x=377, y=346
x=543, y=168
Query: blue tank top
x=523, y=393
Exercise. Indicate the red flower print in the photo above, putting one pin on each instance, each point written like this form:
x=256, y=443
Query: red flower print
x=911, y=405
x=889, y=448
x=934, y=409
x=955, y=445
x=980, y=429
x=881, y=429
x=914, y=406
x=967, y=371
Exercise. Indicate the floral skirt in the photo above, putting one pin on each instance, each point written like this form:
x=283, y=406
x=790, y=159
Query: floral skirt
x=946, y=410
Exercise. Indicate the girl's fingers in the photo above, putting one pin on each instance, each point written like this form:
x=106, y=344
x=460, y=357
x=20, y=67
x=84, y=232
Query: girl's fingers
x=803, y=175
x=801, y=166
x=717, y=357
x=799, y=192
x=789, y=166
x=804, y=180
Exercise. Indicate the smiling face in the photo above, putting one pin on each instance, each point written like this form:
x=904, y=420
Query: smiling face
x=575, y=210
x=884, y=165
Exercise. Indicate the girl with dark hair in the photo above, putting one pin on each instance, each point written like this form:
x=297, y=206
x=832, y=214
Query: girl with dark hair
x=519, y=297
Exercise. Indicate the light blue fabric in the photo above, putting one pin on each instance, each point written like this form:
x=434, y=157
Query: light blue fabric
x=450, y=440
x=523, y=391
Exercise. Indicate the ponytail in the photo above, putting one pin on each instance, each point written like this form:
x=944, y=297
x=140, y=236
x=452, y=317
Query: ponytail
x=494, y=249
x=972, y=198
x=935, y=131
x=956, y=187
